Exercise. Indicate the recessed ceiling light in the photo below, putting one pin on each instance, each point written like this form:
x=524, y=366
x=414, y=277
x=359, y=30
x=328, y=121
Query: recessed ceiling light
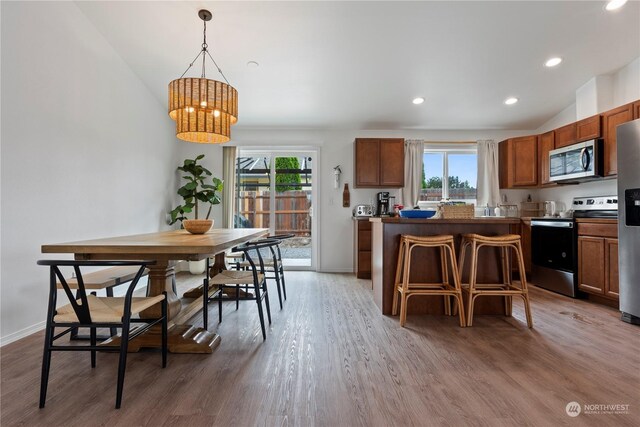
x=418, y=100
x=615, y=4
x=552, y=62
x=510, y=101
x=252, y=64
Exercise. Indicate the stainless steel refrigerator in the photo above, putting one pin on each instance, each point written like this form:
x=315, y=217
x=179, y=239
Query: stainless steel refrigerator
x=629, y=220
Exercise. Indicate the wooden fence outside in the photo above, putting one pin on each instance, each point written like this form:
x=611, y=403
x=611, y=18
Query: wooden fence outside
x=291, y=214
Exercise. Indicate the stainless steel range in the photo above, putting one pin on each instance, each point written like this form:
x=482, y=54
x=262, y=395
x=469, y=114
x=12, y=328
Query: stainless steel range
x=554, y=244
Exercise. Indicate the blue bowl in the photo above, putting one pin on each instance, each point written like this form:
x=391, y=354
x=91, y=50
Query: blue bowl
x=416, y=213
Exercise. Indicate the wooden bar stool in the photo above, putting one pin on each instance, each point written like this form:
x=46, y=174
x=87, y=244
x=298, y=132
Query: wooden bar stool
x=506, y=288
x=405, y=289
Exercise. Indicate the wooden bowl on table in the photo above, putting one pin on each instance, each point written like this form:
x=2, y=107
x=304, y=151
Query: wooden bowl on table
x=197, y=226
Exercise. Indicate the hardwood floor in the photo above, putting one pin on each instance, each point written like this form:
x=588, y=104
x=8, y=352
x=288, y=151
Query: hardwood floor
x=332, y=359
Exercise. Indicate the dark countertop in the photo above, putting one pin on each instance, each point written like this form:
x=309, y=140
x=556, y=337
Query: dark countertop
x=427, y=221
x=598, y=220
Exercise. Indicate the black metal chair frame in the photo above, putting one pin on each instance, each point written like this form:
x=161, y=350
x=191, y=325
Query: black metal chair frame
x=278, y=267
x=83, y=314
x=259, y=286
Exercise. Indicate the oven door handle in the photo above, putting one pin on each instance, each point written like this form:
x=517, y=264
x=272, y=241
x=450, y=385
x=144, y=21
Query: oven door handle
x=558, y=224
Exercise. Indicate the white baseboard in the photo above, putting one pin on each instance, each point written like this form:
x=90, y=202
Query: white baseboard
x=337, y=270
x=15, y=336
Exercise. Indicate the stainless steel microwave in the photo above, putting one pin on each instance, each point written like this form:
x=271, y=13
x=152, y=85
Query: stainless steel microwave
x=578, y=162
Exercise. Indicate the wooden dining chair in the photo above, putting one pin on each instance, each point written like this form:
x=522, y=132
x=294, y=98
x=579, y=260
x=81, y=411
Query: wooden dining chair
x=278, y=268
x=274, y=268
x=93, y=312
x=253, y=279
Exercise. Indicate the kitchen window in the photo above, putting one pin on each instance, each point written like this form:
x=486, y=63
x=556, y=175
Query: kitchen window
x=449, y=172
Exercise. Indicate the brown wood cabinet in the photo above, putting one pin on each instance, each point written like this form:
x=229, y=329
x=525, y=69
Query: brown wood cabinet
x=565, y=135
x=598, y=258
x=589, y=128
x=519, y=162
x=612, y=283
x=546, y=143
x=363, y=248
x=524, y=161
x=610, y=121
x=503, y=164
x=591, y=268
x=379, y=162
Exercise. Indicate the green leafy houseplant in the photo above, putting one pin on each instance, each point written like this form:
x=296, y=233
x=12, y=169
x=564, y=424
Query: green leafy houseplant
x=196, y=190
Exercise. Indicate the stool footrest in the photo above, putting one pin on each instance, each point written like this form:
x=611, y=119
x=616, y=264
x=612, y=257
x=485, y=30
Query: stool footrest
x=448, y=268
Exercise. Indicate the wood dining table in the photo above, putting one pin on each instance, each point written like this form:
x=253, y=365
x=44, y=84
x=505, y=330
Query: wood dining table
x=166, y=248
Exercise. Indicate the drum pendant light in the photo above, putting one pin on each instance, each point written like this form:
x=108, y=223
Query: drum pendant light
x=203, y=109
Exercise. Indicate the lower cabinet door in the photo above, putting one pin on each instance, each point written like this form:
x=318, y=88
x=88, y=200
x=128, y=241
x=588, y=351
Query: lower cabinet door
x=612, y=288
x=591, y=264
x=364, y=265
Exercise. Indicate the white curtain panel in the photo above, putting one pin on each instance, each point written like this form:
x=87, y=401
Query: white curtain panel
x=413, y=152
x=488, y=184
x=228, y=192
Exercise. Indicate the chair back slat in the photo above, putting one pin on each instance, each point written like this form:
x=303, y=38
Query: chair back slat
x=82, y=310
x=281, y=237
x=253, y=254
x=132, y=287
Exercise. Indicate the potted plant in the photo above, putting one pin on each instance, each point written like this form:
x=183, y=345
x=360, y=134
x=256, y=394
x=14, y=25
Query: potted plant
x=196, y=190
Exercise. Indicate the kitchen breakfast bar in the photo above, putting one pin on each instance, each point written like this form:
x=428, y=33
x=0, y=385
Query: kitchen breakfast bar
x=385, y=235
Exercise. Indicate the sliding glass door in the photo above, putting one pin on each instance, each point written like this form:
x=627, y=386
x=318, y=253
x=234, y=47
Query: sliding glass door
x=274, y=190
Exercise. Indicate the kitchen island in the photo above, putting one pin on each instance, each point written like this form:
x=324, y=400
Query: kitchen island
x=386, y=234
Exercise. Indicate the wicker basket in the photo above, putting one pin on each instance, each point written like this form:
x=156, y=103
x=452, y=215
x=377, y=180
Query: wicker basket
x=532, y=209
x=457, y=211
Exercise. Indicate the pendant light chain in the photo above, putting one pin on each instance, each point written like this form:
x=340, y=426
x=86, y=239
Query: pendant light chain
x=205, y=49
x=191, y=64
x=219, y=70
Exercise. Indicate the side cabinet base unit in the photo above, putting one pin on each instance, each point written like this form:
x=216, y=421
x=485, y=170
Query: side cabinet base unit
x=598, y=259
x=363, y=248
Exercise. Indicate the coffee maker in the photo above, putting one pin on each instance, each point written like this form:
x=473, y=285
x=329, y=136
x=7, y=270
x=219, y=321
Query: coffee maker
x=382, y=203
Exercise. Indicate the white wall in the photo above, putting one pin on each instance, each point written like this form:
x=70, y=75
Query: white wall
x=86, y=149
x=626, y=83
x=337, y=148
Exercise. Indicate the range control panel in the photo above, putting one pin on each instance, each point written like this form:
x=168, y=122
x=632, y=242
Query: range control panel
x=600, y=203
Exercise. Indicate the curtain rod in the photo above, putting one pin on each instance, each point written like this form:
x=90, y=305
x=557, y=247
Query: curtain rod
x=449, y=142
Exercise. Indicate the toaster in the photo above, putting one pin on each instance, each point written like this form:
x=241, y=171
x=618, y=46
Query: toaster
x=363, y=210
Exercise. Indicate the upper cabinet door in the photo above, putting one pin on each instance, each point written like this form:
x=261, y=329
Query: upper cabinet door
x=588, y=128
x=546, y=143
x=566, y=135
x=367, y=162
x=636, y=110
x=392, y=162
x=524, y=155
x=610, y=121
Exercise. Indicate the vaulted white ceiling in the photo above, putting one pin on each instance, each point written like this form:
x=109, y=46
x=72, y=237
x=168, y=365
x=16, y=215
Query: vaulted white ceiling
x=358, y=65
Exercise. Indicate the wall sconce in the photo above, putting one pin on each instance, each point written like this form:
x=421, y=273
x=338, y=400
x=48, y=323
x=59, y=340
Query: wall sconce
x=336, y=175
